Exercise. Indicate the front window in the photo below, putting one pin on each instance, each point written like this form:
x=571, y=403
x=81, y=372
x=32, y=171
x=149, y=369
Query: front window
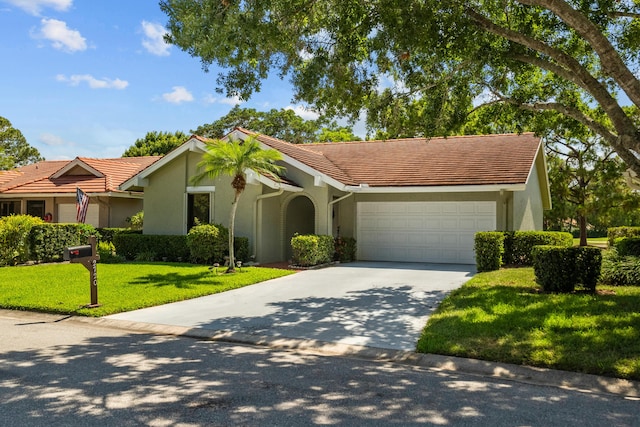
x=198, y=209
x=35, y=208
x=11, y=207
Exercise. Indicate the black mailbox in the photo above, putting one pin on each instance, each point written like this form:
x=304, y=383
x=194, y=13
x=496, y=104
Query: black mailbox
x=73, y=252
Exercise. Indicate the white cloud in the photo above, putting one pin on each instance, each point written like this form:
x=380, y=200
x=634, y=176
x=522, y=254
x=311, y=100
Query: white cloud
x=153, y=39
x=51, y=140
x=34, y=7
x=303, y=112
x=179, y=95
x=104, y=83
x=210, y=99
x=62, y=37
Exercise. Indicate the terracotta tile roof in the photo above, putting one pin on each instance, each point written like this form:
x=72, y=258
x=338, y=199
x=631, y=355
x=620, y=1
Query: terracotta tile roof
x=458, y=160
x=37, y=178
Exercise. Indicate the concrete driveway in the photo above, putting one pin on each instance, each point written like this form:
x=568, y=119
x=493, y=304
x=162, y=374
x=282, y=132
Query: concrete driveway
x=382, y=305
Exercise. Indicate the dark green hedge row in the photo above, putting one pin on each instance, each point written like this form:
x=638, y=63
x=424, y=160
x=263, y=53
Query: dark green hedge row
x=149, y=247
x=614, y=233
x=489, y=249
x=497, y=248
x=174, y=248
x=561, y=269
x=345, y=249
x=627, y=246
x=48, y=241
x=312, y=249
x=519, y=244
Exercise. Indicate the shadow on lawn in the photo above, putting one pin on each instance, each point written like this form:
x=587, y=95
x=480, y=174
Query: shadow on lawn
x=181, y=281
x=598, y=334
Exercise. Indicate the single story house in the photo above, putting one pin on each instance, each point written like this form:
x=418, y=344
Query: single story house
x=414, y=200
x=47, y=189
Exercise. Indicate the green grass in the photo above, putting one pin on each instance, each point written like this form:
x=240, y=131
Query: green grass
x=593, y=241
x=65, y=288
x=501, y=316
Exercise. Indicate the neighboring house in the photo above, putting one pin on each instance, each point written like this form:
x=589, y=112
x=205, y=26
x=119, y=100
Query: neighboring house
x=47, y=189
x=403, y=200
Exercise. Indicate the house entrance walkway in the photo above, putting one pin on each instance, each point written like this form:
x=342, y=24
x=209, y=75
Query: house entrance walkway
x=374, y=304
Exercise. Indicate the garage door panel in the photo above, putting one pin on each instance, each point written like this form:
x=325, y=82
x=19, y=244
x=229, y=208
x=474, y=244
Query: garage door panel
x=422, y=231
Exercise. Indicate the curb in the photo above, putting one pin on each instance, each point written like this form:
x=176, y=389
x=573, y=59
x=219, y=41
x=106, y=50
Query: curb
x=586, y=383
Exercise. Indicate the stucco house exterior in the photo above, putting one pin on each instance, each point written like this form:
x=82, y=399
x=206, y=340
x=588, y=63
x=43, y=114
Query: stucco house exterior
x=47, y=189
x=414, y=200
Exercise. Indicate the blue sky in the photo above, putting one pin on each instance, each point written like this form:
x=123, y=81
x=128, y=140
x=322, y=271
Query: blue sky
x=89, y=77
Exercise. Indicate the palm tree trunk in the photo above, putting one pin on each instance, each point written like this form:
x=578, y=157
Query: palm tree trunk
x=232, y=219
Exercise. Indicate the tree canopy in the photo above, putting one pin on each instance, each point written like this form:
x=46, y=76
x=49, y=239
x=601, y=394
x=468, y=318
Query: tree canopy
x=156, y=144
x=14, y=149
x=419, y=67
x=284, y=124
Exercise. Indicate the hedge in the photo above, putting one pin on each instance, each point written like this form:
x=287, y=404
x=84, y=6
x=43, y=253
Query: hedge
x=489, y=250
x=497, y=248
x=14, y=238
x=519, y=244
x=48, y=241
x=345, y=249
x=151, y=247
x=312, y=249
x=560, y=269
x=614, y=233
x=627, y=246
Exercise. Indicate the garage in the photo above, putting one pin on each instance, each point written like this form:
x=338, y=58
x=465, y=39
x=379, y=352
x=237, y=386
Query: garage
x=67, y=214
x=439, y=232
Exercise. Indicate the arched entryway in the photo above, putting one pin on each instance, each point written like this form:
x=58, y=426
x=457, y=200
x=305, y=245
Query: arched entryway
x=300, y=217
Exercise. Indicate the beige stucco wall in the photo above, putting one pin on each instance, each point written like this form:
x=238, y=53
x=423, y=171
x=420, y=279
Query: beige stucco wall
x=527, y=205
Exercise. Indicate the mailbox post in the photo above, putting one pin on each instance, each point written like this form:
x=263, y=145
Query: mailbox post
x=86, y=255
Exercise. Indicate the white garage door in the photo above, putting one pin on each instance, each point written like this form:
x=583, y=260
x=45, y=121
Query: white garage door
x=422, y=231
x=67, y=213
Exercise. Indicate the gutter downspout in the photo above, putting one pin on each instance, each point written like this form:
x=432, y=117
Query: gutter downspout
x=258, y=214
x=329, y=212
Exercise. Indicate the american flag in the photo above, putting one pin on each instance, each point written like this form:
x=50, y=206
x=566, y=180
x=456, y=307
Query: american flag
x=82, y=205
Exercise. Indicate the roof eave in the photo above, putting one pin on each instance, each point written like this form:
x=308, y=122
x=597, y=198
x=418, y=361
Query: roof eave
x=364, y=188
x=140, y=179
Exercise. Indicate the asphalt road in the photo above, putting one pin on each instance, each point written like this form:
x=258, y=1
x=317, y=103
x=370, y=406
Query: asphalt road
x=56, y=371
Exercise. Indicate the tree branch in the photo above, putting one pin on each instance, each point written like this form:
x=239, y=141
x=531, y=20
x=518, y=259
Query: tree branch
x=610, y=61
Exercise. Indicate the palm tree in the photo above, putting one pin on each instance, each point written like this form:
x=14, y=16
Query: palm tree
x=234, y=158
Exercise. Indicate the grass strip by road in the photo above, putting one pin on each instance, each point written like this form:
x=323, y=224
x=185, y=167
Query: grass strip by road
x=502, y=316
x=65, y=288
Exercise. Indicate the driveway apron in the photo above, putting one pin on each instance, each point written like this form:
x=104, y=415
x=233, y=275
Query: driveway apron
x=383, y=305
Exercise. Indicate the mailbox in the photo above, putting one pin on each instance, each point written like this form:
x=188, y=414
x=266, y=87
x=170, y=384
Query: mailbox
x=73, y=252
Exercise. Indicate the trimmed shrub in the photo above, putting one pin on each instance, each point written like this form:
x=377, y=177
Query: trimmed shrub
x=48, y=241
x=518, y=244
x=14, y=238
x=489, y=250
x=151, y=246
x=620, y=270
x=203, y=243
x=627, y=246
x=106, y=234
x=588, y=263
x=560, y=269
x=107, y=253
x=312, y=249
x=614, y=233
x=345, y=249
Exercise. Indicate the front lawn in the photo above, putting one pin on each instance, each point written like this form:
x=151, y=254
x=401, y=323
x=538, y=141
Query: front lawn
x=64, y=288
x=502, y=316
